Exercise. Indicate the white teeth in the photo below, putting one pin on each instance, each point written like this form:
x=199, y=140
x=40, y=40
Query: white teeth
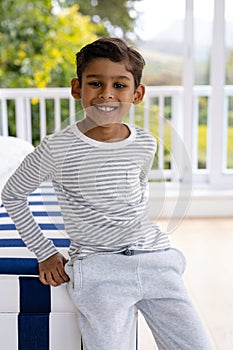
x=105, y=108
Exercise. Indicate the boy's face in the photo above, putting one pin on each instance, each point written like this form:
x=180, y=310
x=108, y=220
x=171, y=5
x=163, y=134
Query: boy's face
x=107, y=91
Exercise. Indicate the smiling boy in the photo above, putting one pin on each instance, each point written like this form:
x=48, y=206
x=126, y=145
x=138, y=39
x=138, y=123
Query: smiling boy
x=107, y=90
x=119, y=260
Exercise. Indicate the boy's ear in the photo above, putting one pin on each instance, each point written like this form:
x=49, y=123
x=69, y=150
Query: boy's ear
x=75, y=89
x=139, y=94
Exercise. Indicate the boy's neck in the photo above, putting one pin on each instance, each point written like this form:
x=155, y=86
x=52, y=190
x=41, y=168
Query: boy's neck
x=104, y=133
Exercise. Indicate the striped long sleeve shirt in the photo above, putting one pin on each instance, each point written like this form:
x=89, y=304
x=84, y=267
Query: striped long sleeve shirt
x=102, y=189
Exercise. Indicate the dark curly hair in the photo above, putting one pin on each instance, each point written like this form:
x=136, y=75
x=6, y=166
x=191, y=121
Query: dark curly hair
x=117, y=51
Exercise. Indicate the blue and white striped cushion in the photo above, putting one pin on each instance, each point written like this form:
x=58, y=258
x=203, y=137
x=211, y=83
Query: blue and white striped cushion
x=46, y=210
x=34, y=316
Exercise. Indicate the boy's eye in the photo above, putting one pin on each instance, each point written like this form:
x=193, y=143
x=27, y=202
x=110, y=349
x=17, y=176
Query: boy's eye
x=119, y=85
x=95, y=83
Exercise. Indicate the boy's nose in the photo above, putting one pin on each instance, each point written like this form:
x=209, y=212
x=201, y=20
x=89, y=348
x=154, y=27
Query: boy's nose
x=106, y=94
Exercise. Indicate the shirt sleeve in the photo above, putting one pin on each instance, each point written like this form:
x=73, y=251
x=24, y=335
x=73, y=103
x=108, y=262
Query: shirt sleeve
x=37, y=167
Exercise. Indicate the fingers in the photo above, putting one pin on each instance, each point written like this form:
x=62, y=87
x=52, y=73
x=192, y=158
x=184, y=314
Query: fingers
x=51, y=271
x=42, y=278
x=53, y=278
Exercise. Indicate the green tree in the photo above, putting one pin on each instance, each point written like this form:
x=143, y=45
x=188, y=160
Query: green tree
x=118, y=16
x=21, y=37
x=38, y=47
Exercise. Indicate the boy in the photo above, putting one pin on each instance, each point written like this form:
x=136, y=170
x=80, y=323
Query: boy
x=119, y=260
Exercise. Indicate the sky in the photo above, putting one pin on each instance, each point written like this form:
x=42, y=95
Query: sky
x=157, y=15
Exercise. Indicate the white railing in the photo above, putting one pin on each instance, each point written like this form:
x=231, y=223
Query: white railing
x=20, y=104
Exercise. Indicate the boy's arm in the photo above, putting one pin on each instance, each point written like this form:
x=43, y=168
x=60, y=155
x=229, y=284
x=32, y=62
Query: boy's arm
x=37, y=167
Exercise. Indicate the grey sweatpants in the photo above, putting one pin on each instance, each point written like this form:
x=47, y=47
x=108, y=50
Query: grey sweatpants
x=107, y=288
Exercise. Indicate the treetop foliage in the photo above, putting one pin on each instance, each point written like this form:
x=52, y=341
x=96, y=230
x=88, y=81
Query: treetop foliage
x=38, y=46
x=118, y=16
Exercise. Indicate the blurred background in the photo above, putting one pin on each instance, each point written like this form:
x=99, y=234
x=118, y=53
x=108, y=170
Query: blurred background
x=38, y=51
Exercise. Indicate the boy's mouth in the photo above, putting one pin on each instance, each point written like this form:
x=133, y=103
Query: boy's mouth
x=105, y=108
